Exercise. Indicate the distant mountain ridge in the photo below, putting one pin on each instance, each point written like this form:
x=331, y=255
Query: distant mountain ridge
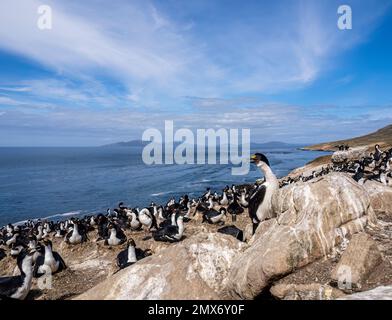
x=140, y=143
x=132, y=143
x=383, y=137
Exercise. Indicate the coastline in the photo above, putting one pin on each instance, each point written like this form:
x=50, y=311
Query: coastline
x=360, y=221
x=93, y=179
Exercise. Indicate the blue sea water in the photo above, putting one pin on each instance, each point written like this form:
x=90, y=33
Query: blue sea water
x=60, y=182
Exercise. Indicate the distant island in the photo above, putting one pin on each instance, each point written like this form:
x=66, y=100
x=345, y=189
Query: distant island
x=269, y=145
x=132, y=143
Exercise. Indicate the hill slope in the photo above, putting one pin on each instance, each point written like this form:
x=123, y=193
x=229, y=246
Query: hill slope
x=383, y=137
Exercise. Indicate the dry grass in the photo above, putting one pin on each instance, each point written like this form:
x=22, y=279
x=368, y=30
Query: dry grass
x=383, y=137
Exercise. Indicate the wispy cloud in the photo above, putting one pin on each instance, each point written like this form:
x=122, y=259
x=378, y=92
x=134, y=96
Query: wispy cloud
x=148, y=48
x=115, y=70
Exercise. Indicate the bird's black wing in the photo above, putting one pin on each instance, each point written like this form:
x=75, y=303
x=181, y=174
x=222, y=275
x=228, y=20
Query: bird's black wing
x=39, y=262
x=122, y=259
x=140, y=254
x=255, y=200
x=171, y=230
x=121, y=235
x=165, y=233
x=164, y=223
x=9, y=285
x=233, y=231
x=211, y=213
x=62, y=265
x=2, y=254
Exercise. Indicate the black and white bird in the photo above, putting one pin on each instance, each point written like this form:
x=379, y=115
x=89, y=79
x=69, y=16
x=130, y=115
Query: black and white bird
x=260, y=201
x=206, y=195
x=147, y=219
x=214, y=216
x=170, y=233
x=49, y=263
x=18, y=287
x=224, y=201
x=14, y=239
x=35, y=247
x=377, y=153
x=243, y=199
x=16, y=249
x=234, y=208
x=76, y=235
x=359, y=175
x=116, y=235
x=131, y=255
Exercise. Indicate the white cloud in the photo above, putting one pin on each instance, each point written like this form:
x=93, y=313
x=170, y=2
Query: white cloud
x=150, y=51
x=160, y=59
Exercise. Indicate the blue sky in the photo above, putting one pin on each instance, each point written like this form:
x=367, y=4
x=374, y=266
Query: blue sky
x=106, y=71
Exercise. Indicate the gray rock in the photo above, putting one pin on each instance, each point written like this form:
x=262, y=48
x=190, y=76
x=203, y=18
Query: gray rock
x=380, y=197
x=379, y=293
x=349, y=155
x=196, y=268
x=312, y=291
x=356, y=263
x=312, y=218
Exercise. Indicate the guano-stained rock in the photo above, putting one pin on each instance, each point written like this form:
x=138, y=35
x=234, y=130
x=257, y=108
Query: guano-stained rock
x=380, y=197
x=311, y=219
x=196, y=268
x=357, y=262
x=349, y=155
x=312, y=291
x=379, y=293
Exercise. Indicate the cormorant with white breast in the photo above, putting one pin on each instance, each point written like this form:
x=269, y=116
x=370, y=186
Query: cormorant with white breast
x=234, y=208
x=213, y=216
x=170, y=233
x=116, y=235
x=51, y=262
x=131, y=255
x=18, y=287
x=260, y=201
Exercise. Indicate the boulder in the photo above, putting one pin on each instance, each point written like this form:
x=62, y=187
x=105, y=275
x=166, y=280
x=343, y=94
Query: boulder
x=196, y=268
x=356, y=263
x=380, y=197
x=311, y=219
x=312, y=291
x=352, y=154
x=379, y=293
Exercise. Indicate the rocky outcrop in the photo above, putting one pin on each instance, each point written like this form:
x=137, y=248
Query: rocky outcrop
x=380, y=197
x=349, y=155
x=196, y=268
x=312, y=218
x=379, y=293
x=313, y=291
x=356, y=263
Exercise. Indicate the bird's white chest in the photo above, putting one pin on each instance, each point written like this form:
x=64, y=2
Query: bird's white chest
x=145, y=219
x=51, y=262
x=113, y=240
x=131, y=255
x=264, y=211
x=75, y=237
x=217, y=218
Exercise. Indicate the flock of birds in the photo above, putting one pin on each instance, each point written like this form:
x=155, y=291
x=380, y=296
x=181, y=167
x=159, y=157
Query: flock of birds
x=31, y=243
x=376, y=166
x=31, y=246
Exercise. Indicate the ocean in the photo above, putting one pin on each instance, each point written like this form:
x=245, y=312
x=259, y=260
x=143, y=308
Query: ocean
x=58, y=182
